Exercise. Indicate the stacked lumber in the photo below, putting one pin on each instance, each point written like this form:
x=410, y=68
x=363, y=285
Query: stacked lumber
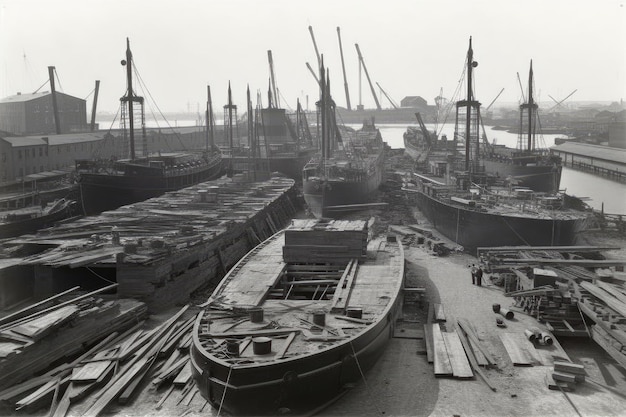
x=321, y=241
x=162, y=249
x=29, y=344
x=605, y=304
x=113, y=370
x=557, y=308
x=565, y=376
x=447, y=351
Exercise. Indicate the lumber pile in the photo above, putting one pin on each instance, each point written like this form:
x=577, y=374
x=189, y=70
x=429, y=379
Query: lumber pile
x=113, y=370
x=30, y=343
x=162, y=249
x=564, y=376
x=322, y=241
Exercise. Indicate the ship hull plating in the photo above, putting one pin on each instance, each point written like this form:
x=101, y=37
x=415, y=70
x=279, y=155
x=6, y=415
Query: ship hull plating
x=471, y=228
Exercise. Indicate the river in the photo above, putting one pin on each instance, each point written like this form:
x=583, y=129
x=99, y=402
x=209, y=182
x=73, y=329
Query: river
x=596, y=190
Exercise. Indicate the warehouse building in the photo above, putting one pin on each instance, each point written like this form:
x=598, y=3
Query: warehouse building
x=33, y=114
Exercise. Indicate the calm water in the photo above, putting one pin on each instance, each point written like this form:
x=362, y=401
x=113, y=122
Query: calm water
x=580, y=184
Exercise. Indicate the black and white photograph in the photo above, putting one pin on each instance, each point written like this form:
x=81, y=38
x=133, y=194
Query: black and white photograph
x=332, y=208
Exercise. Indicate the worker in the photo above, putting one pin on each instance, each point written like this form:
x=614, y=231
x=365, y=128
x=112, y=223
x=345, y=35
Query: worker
x=479, y=276
x=473, y=270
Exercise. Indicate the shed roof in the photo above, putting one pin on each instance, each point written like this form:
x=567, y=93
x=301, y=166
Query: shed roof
x=63, y=139
x=606, y=153
x=21, y=98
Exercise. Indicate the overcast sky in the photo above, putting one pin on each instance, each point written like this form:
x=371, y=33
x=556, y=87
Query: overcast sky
x=410, y=47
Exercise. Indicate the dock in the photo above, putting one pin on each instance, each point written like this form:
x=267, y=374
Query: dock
x=603, y=161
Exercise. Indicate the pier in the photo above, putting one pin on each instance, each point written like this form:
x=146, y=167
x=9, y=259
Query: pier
x=599, y=160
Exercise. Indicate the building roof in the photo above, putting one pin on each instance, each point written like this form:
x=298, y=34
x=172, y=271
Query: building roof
x=52, y=140
x=24, y=97
x=21, y=98
x=606, y=153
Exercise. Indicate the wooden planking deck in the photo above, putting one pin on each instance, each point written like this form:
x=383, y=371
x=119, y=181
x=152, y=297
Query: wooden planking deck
x=458, y=359
x=250, y=284
x=520, y=350
x=443, y=367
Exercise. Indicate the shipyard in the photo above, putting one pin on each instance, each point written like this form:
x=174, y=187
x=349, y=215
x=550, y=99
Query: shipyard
x=209, y=211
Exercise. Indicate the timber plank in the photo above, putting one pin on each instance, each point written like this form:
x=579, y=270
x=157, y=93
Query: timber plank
x=518, y=349
x=439, y=312
x=443, y=367
x=428, y=337
x=458, y=360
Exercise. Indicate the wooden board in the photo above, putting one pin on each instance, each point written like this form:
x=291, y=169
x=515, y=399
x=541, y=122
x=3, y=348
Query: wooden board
x=439, y=312
x=90, y=371
x=442, y=361
x=458, y=359
x=519, y=349
x=428, y=337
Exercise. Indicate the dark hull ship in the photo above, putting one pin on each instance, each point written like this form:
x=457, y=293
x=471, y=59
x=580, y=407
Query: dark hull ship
x=347, y=172
x=473, y=213
x=31, y=219
x=528, y=165
x=307, y=324
x=106, y=185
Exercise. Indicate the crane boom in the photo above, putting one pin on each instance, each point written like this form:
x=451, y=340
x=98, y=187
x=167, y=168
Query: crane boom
x=343, y=67
x=494, y=100
x=273, y=78
x=317, y=80
x=368, y=76
x=393, y=103
x=317, y=53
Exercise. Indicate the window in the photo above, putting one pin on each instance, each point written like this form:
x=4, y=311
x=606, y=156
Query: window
x=4, y=156
x=19, y=154
x=40, y=151
x=32, y=151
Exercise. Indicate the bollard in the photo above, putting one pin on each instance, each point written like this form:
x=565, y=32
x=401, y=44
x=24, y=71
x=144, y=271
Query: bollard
x=256, y=315
x=261, y=345
x=495, y=307
x=319, y=318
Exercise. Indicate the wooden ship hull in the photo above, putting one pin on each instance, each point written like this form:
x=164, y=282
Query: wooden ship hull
x=129, y=183
x=326, y=314
x=288, y=164
x=330, y=197
x=163, y=249
x=473, y=226
x=60, y=210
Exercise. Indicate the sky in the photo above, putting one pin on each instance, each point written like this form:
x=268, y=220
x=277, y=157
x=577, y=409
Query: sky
x=410, y=48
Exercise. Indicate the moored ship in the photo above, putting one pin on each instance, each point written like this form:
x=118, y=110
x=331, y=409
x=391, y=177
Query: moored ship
x=345, y=175
x=106, y=184
x=528, y=165
x=469, y=211
x=30, y=219
x=319, y=306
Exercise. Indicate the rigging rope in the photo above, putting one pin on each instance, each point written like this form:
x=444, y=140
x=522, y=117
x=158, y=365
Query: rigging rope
x=371, y=394
x=219, y=410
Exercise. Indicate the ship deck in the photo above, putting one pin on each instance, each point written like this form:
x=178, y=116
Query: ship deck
x=252, y=283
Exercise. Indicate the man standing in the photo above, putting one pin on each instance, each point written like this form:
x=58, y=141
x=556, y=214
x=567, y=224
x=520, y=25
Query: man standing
x=473, y=270
x=479, y=276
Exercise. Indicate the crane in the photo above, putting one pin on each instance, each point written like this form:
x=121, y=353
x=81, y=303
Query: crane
x=343, y=67
x=317, y=80
x=493, y=101
x=393, y=103
x=362, y=62
x=273, y=79
x=317, y=53
x=558, y=103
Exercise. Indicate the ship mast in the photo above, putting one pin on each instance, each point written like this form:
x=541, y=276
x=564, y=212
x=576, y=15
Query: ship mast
x=468, y=103
x=129, y=96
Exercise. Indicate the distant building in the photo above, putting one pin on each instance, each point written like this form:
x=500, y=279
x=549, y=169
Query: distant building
x=26, y=155
x=413, y=101
x=617, y=131
x=33, y=114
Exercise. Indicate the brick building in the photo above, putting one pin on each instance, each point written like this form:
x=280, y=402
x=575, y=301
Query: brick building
x=33, y=114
